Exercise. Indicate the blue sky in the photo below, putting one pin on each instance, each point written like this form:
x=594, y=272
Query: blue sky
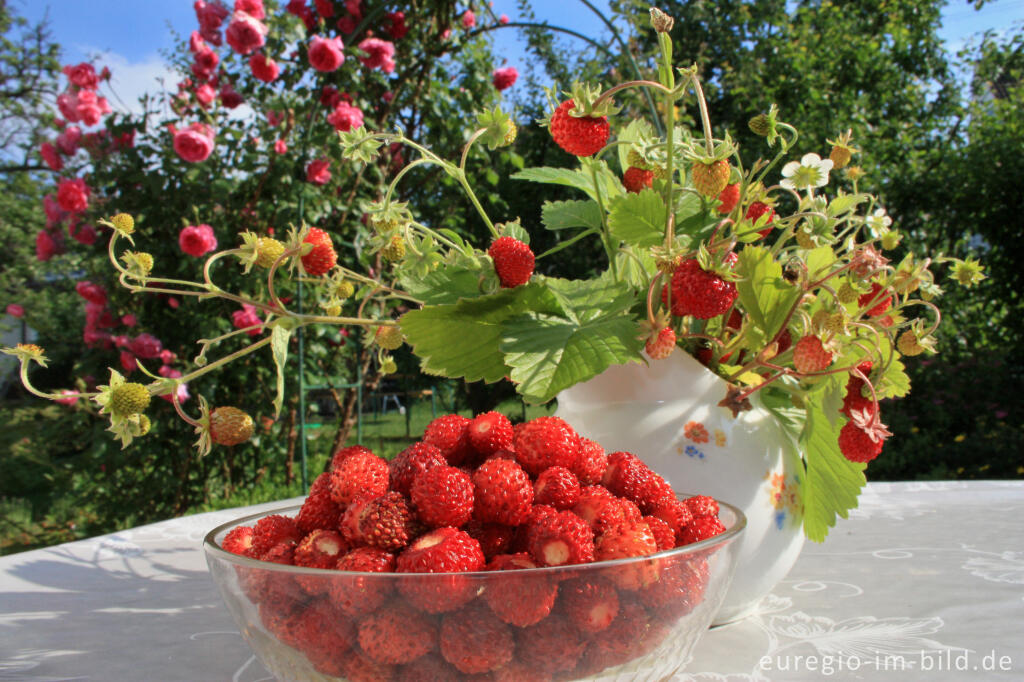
x=132, y=33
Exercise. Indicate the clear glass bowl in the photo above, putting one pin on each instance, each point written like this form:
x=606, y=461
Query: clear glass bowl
x=319, y=624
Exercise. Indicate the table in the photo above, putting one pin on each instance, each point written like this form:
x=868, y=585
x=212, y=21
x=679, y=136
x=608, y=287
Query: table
x=925, y=581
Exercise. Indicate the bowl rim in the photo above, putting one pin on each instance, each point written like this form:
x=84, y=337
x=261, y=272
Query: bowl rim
x=212, y=549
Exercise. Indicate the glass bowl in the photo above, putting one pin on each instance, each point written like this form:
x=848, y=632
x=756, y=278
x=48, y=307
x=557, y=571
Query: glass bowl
x=529, y=624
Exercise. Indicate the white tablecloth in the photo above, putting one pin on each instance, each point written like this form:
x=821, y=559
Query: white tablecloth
x=925, y=581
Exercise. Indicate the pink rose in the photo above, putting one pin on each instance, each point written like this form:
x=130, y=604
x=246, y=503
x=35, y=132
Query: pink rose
x=347, y=25
x=329, y=96
x=379, y=53
x=82, y=75
x=15, y=310
x=324, y=7
x=46, y=247
x=205, y=63
x=325, y=54
x=195, y=143
x=210, y=15
x=146, y=346
x=168, y=372
x=318, y=172
x=264, y=68
x=173, y=302
x=504, y=78
x=83, y=234
x=120, y=340
x=182, y=393
x=96, y=314
x=73, y=195
x=275, y=118
x=468, y=19
x=91, y=108
x=197, y=240
x=50, y=156
x=93, y=293
x=229, y=97
x=128, y=362
x=68, y=140
x=247, y=317
x=446, y=34
x=96, y=339
x=67, y=102
x=355, y=8
x=345, y=117
x=129, y=320
x=245, y=33
x=280, y=147
x=503, y=19
x=251, y=7
x=299, y=9
x=205, y=94
x=196, y=43
x=71, y=397
x=397, y=29
x=167, y=357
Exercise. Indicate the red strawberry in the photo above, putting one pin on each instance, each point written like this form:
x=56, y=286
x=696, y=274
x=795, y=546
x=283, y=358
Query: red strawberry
x=758, y=209
x=443, y=496
x=238, y=541
x=362, y=473
x=590, y=462
x=357, y=666
x=674, y=512
x=881, y=305
x=321, y=484
x=619, y=642
x=560, y=539
x=502, y=493
x=679, y=588
x=701, y=528
x=494, y=538
x=591, y=604
x=323, y=257
x=624, y=541
x=525, y=531
x=546, y=442
x=599, y=508
x=662, y=345
x=514, y=671
x=355, y=593
x=635, y=179
x=343, y=453
x=410, y=463
x=273, y=530
x=320, y=549
x=855, y=398
x=700, y=293
x=627, y=476
x=552, y=645
x=662, y=532
x=396, y=633
x=321, y=633
x=490, y=432
x=809, y=355
x=580, y=136
x=857, y=445
x=513, y=261
x=319, y=510
x=475, y=641
x=449, y=433
x=382, y=521
x=519, y=600
x=702, y=505
x=729, y=197
x=429, y=668
x=710, y=178
x=444, y=550
x=556, y=487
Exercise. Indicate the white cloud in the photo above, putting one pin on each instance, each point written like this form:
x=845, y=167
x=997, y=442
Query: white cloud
x=130, y=80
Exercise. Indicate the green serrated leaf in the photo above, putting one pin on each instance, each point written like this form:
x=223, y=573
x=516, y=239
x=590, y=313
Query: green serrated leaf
x=763, y=293
x=832, y=482
x=845, y=203
x=637, y=129
x=443, y=285
x=638, y=219
x=819, y=260
x=894, y=383
x=279, y=336
x=569, y=177
x=635, y=266
x=561, y=215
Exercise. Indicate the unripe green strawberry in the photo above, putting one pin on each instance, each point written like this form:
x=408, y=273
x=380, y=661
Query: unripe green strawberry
x=145, y=261
x=144, y=425
x=388, y=366
x=760, y=125
x=268, y=250
x=908, y=344
x=394, y=251
x=710, y=178
x=344, y=289
x=840, y=156
x=847, y=294
x=128, y=399
x=805, y=239
x=124, y=223
x=388, y=337
x=230, y=426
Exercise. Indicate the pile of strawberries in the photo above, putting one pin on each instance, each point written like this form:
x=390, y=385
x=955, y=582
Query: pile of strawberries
x=478, y=496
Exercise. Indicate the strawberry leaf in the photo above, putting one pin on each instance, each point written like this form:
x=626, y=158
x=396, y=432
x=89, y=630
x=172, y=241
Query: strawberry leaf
x=638, y=219
x=560, y=215
x=763, y=293
x=574, y=177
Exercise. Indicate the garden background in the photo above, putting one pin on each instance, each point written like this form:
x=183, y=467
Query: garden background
x=933, y=92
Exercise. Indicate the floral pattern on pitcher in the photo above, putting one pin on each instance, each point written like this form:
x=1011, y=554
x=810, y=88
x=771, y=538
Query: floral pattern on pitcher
x=784, y=496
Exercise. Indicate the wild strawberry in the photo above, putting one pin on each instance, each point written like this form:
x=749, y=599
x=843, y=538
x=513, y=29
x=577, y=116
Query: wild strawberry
x=590, y=603
x=321, y=633
x=599, y=508
x=701, y=506
x=343, y=454
x=679, y=588
x=355, y=665
x=710, y=178
x=627, y=476
x=700, y=293
x=635, y=179
x=525, y=531
x=383, y=521
x=230, y=426
x=268, y=250
x=443, y=496
x=515, y=671
x=362, y=473
x=590, y=462
x=546, y=442
x=320, y=549
x=429, y=668
x=861, y=438
x=560, y=539
x=661, y=346
x=475, y=641
x=502, y=493
x=443, y=550
x=273, y=530
x=353, y=591
x=494, y=538
x=701, y=528
x=323, y=257
x=513, y=261
x=396, y=633
x=619, y=642
x=388, y=337
x=624, y=541
x=552, y=645
x=557, y=487
x=490, y=432
x=758, y=209
x=879, y=305
x=449, y=434
x=809, y=355
x=238, y=540
x=662, y=532
x=410, y=463
x=580, y=136
x=729, y=197
x=908, y=344
x=128, y=399
x=854, y=399
x=519, y=600
x=673, y=512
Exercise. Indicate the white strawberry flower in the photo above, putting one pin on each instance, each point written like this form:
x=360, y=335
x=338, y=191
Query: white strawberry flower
x=809, y=172
x=878, y=222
